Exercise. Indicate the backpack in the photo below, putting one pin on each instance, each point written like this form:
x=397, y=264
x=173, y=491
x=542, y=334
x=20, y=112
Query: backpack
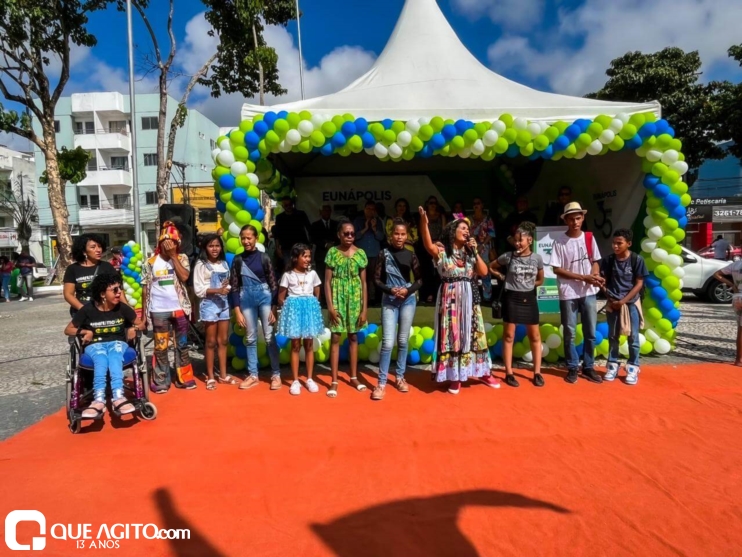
x=634, y=269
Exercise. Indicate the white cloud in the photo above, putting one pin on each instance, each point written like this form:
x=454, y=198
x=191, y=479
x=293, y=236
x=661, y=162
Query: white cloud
x=513, y=15
x=101, y=76
x=610, y=29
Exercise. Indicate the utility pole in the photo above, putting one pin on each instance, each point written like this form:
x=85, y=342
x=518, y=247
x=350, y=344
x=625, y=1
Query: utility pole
x=133, y=111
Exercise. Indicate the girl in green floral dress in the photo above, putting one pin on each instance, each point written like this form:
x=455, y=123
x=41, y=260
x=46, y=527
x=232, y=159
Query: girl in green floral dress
x=345, y=291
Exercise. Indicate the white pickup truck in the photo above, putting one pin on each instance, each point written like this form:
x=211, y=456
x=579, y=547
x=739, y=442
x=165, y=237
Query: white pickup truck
x=699, y=278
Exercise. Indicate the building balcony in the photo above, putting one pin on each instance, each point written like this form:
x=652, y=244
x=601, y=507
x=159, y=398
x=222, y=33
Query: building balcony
x=105, y=214
x=103, y=176
x=102, y=139
x=98, y=102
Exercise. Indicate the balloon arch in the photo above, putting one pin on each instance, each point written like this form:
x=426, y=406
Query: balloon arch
x=243, y=169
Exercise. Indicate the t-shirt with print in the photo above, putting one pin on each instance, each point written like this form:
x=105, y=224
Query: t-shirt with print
x=622, y=277
x=521, y=271
x=570, y=254
x=163, y=296
x=107, y=326
x=300, y=284
x=82, y=277
x=735, y=271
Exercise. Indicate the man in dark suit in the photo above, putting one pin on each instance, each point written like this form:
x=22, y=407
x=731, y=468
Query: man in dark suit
x=324, y=235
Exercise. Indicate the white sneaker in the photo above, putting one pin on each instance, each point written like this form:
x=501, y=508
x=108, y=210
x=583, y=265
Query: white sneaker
x=632, y=374
x=611, y=371
x=30, y=298
x=311, y=386
x=295, y=388
x=23, y=299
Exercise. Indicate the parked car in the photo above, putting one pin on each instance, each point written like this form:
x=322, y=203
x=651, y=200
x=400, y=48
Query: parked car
x=40, y=271
x=699, y=278
x=708, y=252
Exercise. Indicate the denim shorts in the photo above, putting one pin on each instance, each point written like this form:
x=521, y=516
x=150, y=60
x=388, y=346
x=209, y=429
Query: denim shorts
x=212, y=311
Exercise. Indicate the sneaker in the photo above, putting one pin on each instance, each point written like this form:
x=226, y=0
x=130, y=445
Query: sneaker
x=591, y=376
x=378, y=393
x=23, y=299
x=632, y=374
x=491, y=381
x=189, y=385
x=311, y=386
x=249, y=383
x=538, y=380
x=511, y=380
x=571, y=376
x=30, y=298
x=295, y=388
x=611, y=371
x=275, y=382
x=402, y=385
x=454, y=387
x=158, y=389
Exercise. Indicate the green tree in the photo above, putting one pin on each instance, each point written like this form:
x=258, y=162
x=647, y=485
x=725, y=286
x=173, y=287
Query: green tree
x=670, y=76
x=36, y=35
x=241, y=63
x=729, y=109
x=21, y=207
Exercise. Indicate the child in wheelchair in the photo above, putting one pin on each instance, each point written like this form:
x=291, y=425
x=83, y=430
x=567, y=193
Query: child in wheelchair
x=104, y=325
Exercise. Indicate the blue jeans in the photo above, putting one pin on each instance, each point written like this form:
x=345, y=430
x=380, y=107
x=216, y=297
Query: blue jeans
x=614, y=324
x=587, y=309
x=390, y=316
x=107, y=357
x=6, y=286
x=252, y=313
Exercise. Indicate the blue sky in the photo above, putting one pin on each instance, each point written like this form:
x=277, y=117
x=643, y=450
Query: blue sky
x=554, y=45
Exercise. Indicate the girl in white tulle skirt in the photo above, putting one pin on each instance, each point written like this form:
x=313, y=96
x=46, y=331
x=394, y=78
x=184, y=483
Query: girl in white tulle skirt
x=301, y=317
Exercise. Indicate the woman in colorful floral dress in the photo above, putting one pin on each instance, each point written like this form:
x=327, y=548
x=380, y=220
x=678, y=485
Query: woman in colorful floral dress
x=461, y=344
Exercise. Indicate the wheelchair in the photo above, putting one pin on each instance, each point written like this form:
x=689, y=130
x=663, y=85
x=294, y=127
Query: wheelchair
x=80, y=383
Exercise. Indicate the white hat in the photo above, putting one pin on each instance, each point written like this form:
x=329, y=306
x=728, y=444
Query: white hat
x=572, y=208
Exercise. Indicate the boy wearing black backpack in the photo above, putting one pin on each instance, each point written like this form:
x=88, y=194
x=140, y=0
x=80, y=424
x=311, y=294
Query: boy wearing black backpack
x=624, y=273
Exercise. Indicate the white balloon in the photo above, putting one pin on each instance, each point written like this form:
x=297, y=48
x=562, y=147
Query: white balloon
x=478, y=147
x=678, y=272
x=595, y=147
x=648, y=245
x=225, y=158
x=225, y=145
x=284, y=147
x=662, y=346
x=553, y=341
x=404, y=138
x=649, y=223
x=316, y=344
x=499, y=126
x=490, y=137
x=234, y=230
x=325, y=336
x=317, y=121
x=488, y=327
x=607, y=136
x=424, y=121
x=643, y=150
x=131, y=243
x=228, y=218
x=534, y=128
x=215, y=153
x=581, y=154
x=616, y=125
x=254, y=180
x=673, y=261
x=623, y=117
x=681, y=285
x=544, y=350
x=465, y=153
x=374, y=356
x=520, y=123
x=302, y=355
x=238, y=168
x=681, y=167
x=659, y=255
x=305, y=128
x=653, y=155
x=652, y=335
x=544, y=126
x=370, y=151
x=642, y=340
x=293, y=137
x=395, y=151
x=380, y=151
x=260, y=247
x=528, y=356
x=623, y=349
x=655, y=233
x=670, y=156
x=413, y=126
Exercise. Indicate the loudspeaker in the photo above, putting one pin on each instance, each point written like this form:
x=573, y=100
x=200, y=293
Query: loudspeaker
x=184, y=219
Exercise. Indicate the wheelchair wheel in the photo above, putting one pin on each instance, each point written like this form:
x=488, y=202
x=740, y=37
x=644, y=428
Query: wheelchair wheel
x=74, y=423
x=148, y=411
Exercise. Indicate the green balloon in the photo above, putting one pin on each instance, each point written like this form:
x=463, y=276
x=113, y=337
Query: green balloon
x=389, y=137
x=654, y=202
x=510, y=135
x=584, y=139
x=480, y=128
x=679, y=188
x=552, y=357
x=426, y=132
x=246, y=126
x=458, y=142
x=293, y=119
x=225, y=196
x=670, y=225
x=328, y=129
x=317, y=138
x=670, y=283
x=678, y=234
x=305, y=146
x=363, y=352
x=523, y=138
x=654, y=315
x=222, y=170
x=237, y=138
x=627, y=132
x=646, y=348
x=594, y=130
x=355, y=144
x=233, y=244
x=398, y=127
x=470, y=136
x=518, y=350
x=437, y=123
x=501, y=146
x=417, y=145
x=541, y=142
x=507, y=119
x=662, y=271
x=233, y=208
x=551, y=133
x=667, y=242
x=281, y=126
x=242, y=218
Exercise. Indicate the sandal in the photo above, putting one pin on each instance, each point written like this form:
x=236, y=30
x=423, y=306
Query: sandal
x=357, y=384
x=120, y=406
x=228, y=380
x=333, y=392
x=211, y=384
x=94, y=412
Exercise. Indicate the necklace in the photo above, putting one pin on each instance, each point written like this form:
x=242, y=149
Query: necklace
x=302, y=281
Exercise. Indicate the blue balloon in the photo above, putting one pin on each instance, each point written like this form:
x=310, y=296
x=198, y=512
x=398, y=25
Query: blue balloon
x=283, y=114
x=426, y=152
x=327, y=149
x=562, y=142
x=255, y=155
x=127, y=272
x=662, y=190
x=348, y=129
x=240, y=351
x=670, y=131
x=437, y=141
x=252, y=205
x=652, y=281
x=661, y=126
x=647, y=130
x=651, y=181
x=513, y=151
x=673, y=315
x=226, y=181
x=534, y=156
x=229, y=257
x=520, y=332
x=548, y=153
x=345, y=343
x=633, y=143
x=672, y=201
x=683, y=222
x=449, y=132
x=251, y=140
x=261, y=128
x=461, y=126
x=678, y=212
x=235, y=339
x=126, y=249
x=598, y=337
x=497, y=349
x=361, y=336
x=259, y=215
x=368, y=140
x=658, y=293
x=387, y=123
x=428, y=346
x=338, y=140
x=270, y=118
x=583, y=124
x=372, y=328
x=239, y=195
x=282, y=341
x=666, y=305
x=361, y=126
x=602, y=328
x=580, y=348
x=572, y=132
x=413, y=357
x=221, y=207
x=344, y=354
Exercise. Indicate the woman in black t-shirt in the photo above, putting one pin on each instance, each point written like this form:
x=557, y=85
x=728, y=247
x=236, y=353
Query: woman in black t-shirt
x=86, y=251
x=105, y=325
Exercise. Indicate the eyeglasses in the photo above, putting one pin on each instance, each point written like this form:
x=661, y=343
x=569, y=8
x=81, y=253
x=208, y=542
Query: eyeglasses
x=115, y=289
x=349, y=234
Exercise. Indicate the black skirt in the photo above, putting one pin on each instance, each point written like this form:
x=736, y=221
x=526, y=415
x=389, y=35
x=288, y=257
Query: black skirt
x=520, y=307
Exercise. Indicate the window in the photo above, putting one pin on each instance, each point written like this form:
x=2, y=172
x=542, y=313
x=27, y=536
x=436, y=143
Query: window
x=213, y=144
x=121, y=201
x=203, y=168
x=150, y=198
x=89, y=202
x=150, y=122
x=119, y=163
x=56, y=126
x=5, y=222
x=201, y=135
x=208, y=215
x=118, y=126
x=151, y=237
x=82, y=128
x=150, y=159
x=92, y=161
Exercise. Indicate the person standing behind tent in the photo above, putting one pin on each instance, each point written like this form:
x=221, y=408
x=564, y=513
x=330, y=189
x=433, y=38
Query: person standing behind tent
x=292, y=227
x=324, y=235
x=78, y=278
x=26, y=264
x=402, y=211
x=483, y=231
x=552, y=215
x=722, y=248
x=165, y=302
x=520, y=215
x=574, y=258
x=436, y=223
x=393, y=272
x=370, y=233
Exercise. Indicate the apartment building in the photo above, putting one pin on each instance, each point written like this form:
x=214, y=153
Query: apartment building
x=17, y=179
x=101, y=124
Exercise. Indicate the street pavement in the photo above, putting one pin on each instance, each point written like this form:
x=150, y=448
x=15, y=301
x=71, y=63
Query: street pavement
x=34, y=352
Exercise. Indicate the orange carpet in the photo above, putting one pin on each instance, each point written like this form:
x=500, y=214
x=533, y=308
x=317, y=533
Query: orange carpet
x=580, y=469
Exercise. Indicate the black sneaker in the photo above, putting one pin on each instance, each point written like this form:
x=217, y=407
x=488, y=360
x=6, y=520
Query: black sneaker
x=571, y=376
x=538, y=380
x=511, y=380
x=591, y=376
